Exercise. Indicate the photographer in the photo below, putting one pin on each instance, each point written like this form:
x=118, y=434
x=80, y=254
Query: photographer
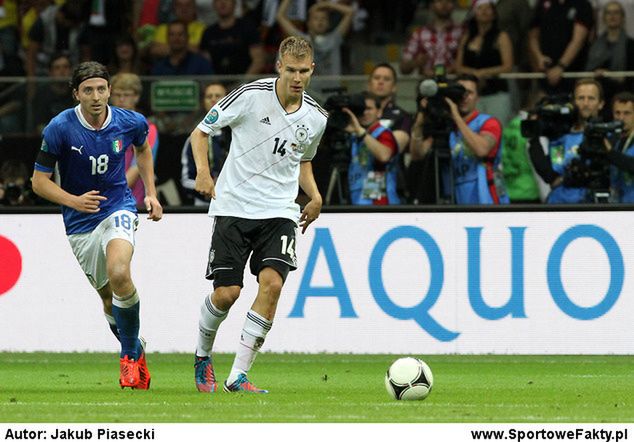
x=474, y=144
x=560, y=167
x=621, y=153
x=15, y=189
x=372, y=174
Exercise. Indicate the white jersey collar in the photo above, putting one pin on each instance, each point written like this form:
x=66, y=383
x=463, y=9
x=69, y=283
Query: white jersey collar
x=87, y=125
x=279, y=102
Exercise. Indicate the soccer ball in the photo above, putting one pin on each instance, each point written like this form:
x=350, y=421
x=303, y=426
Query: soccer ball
x=409, y=379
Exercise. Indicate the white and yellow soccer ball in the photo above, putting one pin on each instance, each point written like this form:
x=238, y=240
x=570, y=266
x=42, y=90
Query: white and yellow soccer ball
x=409, y=379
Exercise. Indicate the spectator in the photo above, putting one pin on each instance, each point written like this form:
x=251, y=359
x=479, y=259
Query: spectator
x=486, y=52
x=514, y=18
x=621, y=153
x=28, y=17
x=474, y=175
x=435, y=44
x=326, y=43
x=372, y=174
x=126, y=92
x=558, y=40
x=599, y=9
x=270, y=31
x=518, y=173
x=180, y=59
x=557, y=168
x=382, y=83
x=9, y=38
x=613, y=50
x=56, y=30
x=15, y=189
x=126, y=56
x=233, y=44
x=389, y=19
x=185, y=12
x=11, y=94
x=54, y=96
x=217, y=152
x=107, y=19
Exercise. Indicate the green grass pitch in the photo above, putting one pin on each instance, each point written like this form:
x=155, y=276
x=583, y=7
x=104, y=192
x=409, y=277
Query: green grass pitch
x=83, y=387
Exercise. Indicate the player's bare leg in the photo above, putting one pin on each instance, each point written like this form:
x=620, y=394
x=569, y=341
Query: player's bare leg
x=212, y=312
x=257, y=324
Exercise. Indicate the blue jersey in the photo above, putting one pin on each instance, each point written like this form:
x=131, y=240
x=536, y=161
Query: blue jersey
x=622, y=181
x=91, y=159
x=562, y=152
x=476, y=180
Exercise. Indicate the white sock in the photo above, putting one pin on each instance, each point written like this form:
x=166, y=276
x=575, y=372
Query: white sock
x=110, y=319
x=210, y=319
x=253, y=334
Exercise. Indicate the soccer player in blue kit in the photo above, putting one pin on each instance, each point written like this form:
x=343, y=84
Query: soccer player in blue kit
x=88, y=143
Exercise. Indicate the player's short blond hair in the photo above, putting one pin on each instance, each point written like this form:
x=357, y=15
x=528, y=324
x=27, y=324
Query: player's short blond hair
x=127, y=81
x=296, y=47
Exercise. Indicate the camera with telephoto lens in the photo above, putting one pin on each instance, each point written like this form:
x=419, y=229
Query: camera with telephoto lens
x=438, y=120
x=592, y=168
x=553, y=117
x=336, y=140
x=337, y=118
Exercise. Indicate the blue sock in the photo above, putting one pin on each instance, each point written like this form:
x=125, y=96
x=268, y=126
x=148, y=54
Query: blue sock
x=126, y=313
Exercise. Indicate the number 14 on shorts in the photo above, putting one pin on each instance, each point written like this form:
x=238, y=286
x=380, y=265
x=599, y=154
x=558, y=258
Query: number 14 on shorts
x=288, y=247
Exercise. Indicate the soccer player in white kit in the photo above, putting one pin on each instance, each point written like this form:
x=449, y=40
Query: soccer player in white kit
x=276, y=128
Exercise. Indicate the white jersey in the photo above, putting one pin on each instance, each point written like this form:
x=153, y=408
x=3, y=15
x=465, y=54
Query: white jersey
x=260, y=178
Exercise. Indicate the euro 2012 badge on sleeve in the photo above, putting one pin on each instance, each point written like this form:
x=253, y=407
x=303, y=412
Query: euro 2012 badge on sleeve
x=211, y=117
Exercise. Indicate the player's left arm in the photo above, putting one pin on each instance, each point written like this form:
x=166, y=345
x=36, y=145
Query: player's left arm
x=145, y=163
x=309, y=186
x=132, y=175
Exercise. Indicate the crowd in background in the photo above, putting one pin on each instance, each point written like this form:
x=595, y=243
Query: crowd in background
x=390, y=156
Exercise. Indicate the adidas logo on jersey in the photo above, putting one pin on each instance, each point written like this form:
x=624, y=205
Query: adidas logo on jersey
x=265, y=120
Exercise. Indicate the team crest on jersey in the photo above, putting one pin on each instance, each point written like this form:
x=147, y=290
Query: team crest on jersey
x=301, y=134
x=117, y=146
x=212, y=117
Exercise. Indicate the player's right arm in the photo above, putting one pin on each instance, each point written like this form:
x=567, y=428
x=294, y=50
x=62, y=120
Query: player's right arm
x=48, y=189
x=226, y=112
x=204, y=183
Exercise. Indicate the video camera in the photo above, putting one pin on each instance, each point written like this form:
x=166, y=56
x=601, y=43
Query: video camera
x=594, y=137
x=337, y=118
x=438, y=121
x=592, y=169
x=552, y=117
x=336, y=141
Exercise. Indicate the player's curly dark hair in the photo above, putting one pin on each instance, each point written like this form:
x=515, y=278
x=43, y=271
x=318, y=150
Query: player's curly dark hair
x=87, y=70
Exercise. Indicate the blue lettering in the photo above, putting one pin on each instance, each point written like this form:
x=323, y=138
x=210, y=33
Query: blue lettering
x=420, y=312
x=617, y=272
x=339, y=290
x=515, y=305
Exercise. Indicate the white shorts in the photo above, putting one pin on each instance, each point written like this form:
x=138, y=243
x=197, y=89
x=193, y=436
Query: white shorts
x=90, y=247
